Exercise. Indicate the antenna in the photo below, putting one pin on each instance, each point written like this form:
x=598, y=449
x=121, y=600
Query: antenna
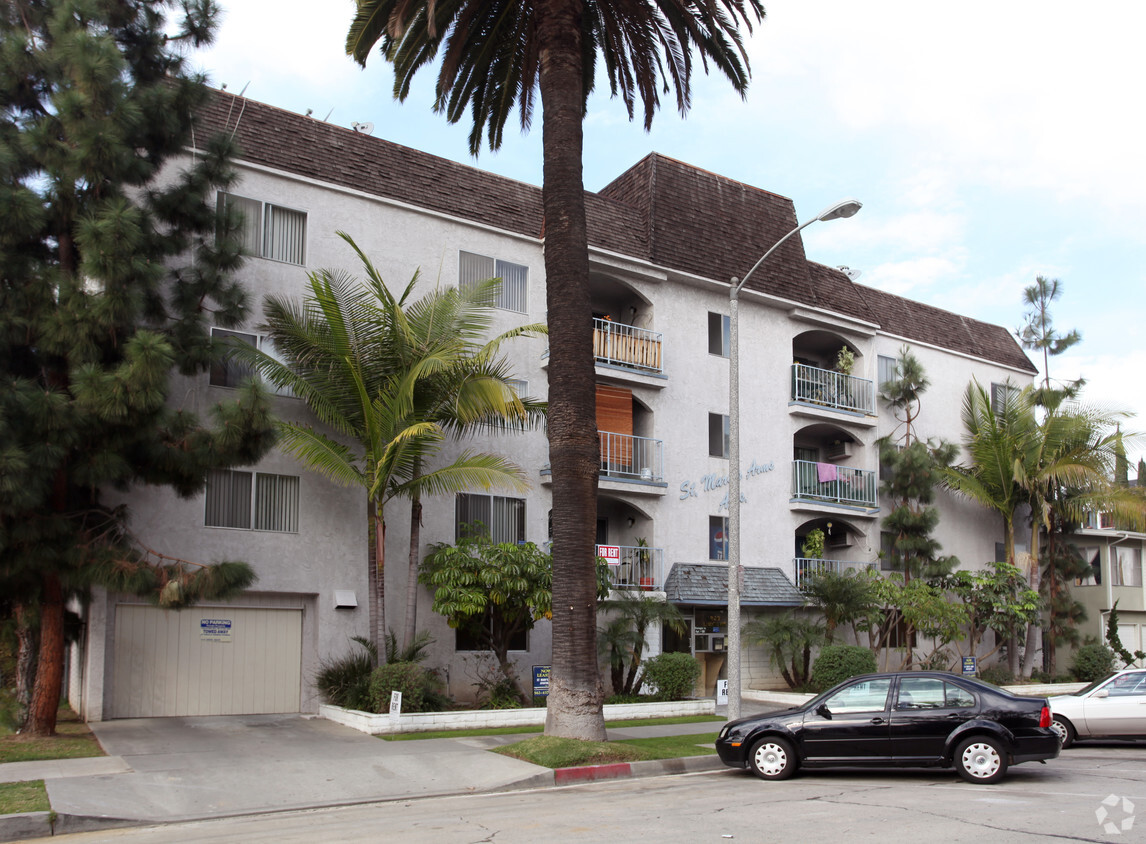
x=364, y=128
x=849, y=272
x=309, y=112
x=328, y=114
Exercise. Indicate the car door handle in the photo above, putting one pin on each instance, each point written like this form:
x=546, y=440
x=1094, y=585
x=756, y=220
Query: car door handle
x=877, y=720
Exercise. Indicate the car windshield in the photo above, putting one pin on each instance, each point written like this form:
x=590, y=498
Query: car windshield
x=1091, y=687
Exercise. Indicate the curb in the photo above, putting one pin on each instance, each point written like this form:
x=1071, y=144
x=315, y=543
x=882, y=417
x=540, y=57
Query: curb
x=22, y=825
x=624, y=770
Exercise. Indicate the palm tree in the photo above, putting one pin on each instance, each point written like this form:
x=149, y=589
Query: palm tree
x=340, y=354
x=496, y=53
x=636, y=613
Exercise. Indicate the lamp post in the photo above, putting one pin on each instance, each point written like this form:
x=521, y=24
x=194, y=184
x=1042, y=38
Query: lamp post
x=845, y=208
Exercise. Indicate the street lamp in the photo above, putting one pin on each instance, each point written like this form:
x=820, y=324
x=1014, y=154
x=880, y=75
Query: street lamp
x=846, y=208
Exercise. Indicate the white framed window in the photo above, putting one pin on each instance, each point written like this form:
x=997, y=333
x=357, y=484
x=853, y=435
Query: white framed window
x=230, y=372
x=886, y=370
x=514, y=279
x=719, y=334
x=252, y=500
x=1126, y=568
x=719, y=435
x=501, y=518
x=269, y=231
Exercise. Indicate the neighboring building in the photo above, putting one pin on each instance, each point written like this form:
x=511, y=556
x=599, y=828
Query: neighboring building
x=1115, y=558
x=665, y=238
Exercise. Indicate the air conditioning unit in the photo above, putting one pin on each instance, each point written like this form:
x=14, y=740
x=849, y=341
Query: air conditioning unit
x=842, y=539
x=838, y=450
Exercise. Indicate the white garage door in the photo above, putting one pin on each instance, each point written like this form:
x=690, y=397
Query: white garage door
x=206, y=661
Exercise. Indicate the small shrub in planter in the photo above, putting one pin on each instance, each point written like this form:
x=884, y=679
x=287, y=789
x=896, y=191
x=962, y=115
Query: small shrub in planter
x=1092, y=662
x=671, y=676
x=997, y=675
x=345, y=681
x=837, y=663
x=409, y=678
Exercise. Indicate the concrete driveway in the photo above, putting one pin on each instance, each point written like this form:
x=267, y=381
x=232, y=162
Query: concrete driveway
x=185, y=768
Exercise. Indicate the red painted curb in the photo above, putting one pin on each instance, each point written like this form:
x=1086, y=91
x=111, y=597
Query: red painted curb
x=588, y=773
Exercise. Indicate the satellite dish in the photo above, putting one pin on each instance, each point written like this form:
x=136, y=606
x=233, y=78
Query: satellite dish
x=364, y=128
x=849, y=272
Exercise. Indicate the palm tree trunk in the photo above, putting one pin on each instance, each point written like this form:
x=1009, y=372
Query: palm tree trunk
x=376, y=559
x=412, y=575
x=576, y=693
x=1034, y=629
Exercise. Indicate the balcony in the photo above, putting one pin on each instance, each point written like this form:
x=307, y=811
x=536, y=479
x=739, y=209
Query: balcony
x=627, y=347
x=625, y=457
x=806, y=566
x=832, y=390
x=641, y=567
x=832, y=484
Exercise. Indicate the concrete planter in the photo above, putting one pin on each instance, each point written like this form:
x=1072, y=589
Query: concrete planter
x=418, y=722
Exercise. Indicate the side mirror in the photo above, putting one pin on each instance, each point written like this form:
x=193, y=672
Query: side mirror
x=1101, y=693
x=823, y=711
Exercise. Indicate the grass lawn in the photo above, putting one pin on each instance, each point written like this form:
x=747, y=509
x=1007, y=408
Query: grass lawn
x=552, y=752
x=73, y=740
x=537, y=728
x=28, y=796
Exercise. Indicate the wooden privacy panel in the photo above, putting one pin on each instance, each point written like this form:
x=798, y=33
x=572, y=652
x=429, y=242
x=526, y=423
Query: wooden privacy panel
x=615, y=415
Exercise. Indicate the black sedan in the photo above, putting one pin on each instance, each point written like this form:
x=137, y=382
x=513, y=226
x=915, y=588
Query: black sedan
x=910, y=719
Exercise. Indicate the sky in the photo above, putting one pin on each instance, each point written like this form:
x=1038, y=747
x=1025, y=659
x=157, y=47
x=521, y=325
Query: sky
x=990, y=142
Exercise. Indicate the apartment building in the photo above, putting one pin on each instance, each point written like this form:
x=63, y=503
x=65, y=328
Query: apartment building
x=665, y=238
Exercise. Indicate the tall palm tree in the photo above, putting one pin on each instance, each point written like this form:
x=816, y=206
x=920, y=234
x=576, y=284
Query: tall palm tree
x=501, y=52
x=364, y=363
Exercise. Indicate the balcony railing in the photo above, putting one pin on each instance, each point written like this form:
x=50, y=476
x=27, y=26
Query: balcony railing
x=627, y=346
x=806, y=566
x=631, y=458
x=832, y=389
x=835, y=484
x=641, y=568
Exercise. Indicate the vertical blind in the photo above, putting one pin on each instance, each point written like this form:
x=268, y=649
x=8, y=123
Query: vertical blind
x=284, y=235
x=503, y=518
x=237, y=499
x=514, y=279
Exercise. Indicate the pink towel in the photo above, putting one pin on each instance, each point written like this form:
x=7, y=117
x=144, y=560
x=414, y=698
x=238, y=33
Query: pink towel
x=826, y=472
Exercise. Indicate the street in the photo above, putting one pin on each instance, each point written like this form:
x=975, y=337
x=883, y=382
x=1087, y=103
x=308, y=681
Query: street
x=1062, y=800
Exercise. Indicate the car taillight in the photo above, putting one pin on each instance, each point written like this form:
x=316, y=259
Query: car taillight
x=1045, y=717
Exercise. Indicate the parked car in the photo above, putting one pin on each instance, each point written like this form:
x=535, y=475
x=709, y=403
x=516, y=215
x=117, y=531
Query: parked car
x=909, y=719
x=1113, y=707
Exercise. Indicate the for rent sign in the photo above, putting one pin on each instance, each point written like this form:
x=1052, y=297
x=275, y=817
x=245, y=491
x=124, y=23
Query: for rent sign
x=610, y=553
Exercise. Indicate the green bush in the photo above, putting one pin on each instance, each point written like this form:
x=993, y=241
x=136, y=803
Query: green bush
x=502, y=693
x=345, y=681
x=998, y=675
x=409, y=678
x=1092, y=662
x=671, y=676
x=837, y=663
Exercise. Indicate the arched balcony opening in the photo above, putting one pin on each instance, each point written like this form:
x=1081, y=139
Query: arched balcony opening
x=627, y=541
x=826, y=372
x=828, y=465
x=624, y=335
x=844, y=548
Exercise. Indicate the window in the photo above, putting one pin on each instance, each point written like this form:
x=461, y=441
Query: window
x=927, y=693
x=719, y=335
x=866, y=696
x=514, y=279
x=886, y=373
x=269, y=231
x=718, y=435
x=1001, y=394
x=1094, y=557
x=718, y=537
x=252, y=500
x=887, y=558
x=1127, y=567
x=230, y=372
x=467, y=638
x=501, y=519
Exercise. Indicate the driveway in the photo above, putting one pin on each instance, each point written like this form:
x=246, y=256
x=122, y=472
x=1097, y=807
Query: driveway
x=184, y=768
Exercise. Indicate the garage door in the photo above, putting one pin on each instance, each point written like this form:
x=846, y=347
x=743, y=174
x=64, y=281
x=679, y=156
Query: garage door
x=206, y=661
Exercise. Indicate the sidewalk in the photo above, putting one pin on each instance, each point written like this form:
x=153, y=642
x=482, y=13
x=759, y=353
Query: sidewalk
x=162, y=770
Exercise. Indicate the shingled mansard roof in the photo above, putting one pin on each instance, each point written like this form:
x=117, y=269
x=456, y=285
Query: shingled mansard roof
x=664, y=211
x=707, y=584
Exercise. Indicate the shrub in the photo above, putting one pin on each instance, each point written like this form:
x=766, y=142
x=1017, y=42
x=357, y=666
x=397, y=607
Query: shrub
x=1092, y=662
x=837, y=663
x=501, y=693
x=409, y=678
x=998, y=675
x=671, y=676
x=345, y=681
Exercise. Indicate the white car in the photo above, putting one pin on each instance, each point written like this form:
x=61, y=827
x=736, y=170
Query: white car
x=1113, y=707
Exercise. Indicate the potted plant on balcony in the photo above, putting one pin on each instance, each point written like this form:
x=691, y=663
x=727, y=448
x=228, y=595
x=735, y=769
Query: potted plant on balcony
x=813, y=549
x=845, y=363
x=644, y=563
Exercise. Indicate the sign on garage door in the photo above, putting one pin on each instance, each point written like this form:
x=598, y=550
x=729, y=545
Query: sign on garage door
x=206, y=661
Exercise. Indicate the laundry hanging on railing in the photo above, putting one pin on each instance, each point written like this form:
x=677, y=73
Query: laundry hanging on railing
x=826, y=472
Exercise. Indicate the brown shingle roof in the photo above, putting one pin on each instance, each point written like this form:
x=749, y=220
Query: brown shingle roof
x=661, y=210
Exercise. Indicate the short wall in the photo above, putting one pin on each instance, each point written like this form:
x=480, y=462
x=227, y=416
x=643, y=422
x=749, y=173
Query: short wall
x=420, y=722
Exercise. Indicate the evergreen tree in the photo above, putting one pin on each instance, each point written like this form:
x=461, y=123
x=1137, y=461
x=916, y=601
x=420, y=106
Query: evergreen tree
x=114, y=265
x=1039, y=335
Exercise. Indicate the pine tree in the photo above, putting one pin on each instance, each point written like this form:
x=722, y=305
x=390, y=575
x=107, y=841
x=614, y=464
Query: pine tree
x=1039, y=335
x=113, y=265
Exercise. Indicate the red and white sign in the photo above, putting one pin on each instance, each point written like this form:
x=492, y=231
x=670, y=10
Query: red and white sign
x=611, y=553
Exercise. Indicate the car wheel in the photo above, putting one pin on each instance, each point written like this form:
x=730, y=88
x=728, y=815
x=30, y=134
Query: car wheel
x=1065, y=730
x=981, y=759
x=773, y=759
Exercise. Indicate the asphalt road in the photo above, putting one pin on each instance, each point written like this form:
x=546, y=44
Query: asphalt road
x=1060, y=801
